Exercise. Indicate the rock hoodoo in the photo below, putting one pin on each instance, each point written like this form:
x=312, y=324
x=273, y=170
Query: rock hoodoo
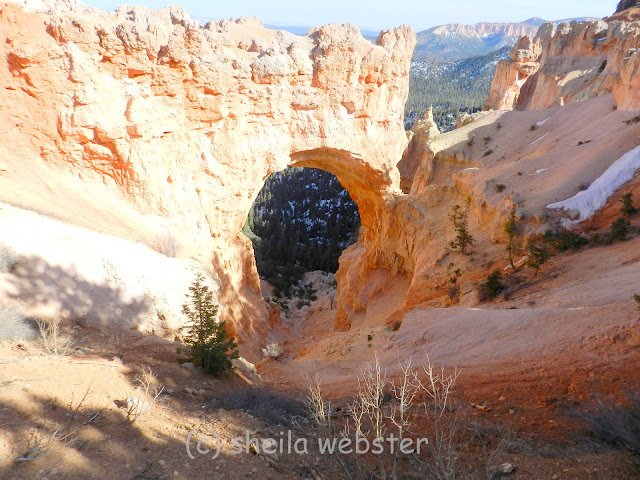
x=570, y=62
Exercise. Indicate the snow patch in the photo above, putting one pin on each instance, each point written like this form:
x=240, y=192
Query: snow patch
x=595, y=197
x=538, y=171
x=537, y=140
x=539, y=124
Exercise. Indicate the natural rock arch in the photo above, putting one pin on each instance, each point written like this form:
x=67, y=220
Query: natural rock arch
x=186, y=121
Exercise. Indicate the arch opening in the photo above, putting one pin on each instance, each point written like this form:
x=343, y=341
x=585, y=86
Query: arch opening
x=300, y=222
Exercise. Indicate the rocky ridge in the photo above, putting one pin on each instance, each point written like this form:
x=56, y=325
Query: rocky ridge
x=458, y=41
x=570, y=62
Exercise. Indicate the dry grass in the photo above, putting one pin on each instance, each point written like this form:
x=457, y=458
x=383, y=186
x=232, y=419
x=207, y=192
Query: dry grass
x=50, y=334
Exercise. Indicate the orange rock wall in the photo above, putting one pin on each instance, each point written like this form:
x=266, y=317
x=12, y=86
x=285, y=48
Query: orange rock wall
x=568, y=63
x=187, y=121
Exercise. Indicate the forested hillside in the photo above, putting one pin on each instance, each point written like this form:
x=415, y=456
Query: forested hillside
x=451, y=87
x=300, y=222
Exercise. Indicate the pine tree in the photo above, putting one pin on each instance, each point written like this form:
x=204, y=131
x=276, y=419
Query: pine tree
x=636, y=298
x=209, y=344
x=511, y=229
x=619, y=229
x=539, y=255
x=493, y=286
x=302, y=221
x=628, y=208
x=460, y=221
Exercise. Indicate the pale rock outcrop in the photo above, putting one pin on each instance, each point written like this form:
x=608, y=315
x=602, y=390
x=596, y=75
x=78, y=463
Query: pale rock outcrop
x=185, y=122
x=426, y=125
x=466, y=118
x=512, y=73
x=571, y=62
x=424, y=131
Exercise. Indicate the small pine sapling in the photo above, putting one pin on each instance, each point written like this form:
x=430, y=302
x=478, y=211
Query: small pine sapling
x=538, y=256
x=619, y=229
x=460, y=221
x=628, y=208
x=493, y=286
x=454, y=278
x=209, y=344
x=512, y=230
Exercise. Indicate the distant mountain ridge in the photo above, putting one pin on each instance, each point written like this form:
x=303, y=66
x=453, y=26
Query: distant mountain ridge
x=456, y=41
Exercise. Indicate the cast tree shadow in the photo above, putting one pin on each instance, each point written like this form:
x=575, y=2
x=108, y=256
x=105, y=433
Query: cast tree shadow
x=36, y=283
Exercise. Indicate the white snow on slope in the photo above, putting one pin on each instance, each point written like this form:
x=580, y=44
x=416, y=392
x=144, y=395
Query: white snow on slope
x=595, y=197
x=539, y=124
x=538, y=171
x=538, y=139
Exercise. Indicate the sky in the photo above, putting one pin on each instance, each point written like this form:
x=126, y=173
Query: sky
x=380, y=14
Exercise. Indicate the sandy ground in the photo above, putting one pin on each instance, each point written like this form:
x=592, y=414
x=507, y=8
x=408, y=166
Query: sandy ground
x=71, y=408
x=547, y=346
x=551, y=343
x=68, y=407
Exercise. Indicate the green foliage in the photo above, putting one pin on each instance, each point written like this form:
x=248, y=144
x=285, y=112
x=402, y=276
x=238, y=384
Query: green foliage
x=457, y=273
x=538, y=256
x=451, y=87
x=512, y=229
x=500, y=187
x=209, y=344
x=301, y=221
x=309, y=293
x=633, y=121
x=620, y=228
x=636, y=298
x=460, y=219
x=564, y=240
x=533, y=128
x=493, y=286
x=628, y=208
x=282, y=305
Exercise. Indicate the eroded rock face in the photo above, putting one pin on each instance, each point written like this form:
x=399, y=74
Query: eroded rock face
x=187, y=121
x=570, y=63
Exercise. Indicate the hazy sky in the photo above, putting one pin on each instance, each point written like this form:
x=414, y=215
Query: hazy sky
x=382, y=14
